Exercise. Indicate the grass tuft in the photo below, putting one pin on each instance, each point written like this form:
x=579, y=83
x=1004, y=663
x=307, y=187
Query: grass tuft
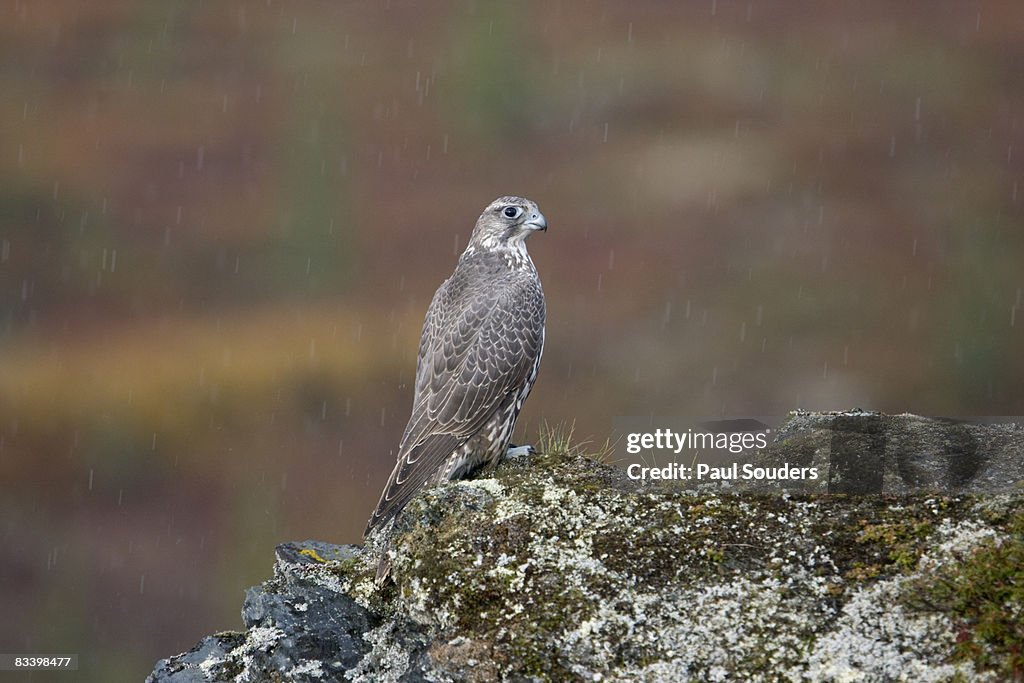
x=560, y=440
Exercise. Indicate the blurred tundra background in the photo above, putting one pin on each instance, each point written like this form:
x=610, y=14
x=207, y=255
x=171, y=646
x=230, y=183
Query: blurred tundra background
x=221, y=224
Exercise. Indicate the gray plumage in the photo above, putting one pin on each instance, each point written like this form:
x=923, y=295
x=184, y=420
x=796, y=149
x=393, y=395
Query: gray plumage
x=481, y=345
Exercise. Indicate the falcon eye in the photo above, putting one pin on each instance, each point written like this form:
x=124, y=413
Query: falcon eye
x=512, y=212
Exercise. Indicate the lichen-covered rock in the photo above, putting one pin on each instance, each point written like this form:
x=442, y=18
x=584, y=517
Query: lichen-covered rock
x=300, y=626
x=559, y=568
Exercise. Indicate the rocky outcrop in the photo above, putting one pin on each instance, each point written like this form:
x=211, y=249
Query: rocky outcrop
x=560, y=568
x=862, y=452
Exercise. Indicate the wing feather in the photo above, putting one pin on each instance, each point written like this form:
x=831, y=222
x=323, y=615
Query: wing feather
x=478, y=346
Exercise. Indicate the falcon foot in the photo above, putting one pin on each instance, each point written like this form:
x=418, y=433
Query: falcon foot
x=519, y=451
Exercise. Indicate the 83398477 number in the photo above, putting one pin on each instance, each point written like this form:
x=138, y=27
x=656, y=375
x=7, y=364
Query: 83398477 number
x=11, y=662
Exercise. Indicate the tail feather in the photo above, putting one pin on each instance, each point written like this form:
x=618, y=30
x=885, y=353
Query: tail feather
x=413, y=471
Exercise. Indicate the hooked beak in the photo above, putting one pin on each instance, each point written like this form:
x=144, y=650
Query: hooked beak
x=537, y=222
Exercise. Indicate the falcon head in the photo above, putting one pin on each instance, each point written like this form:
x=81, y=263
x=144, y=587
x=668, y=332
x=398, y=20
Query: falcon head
x=506, y=223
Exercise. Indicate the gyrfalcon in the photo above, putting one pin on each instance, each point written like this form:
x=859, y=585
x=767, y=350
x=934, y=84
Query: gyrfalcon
x=481, y=345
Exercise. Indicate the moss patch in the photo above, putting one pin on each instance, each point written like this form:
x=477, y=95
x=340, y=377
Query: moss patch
x=983, y=597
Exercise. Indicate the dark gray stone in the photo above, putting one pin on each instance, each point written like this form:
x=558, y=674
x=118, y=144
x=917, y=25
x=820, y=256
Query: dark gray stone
x=300, y=626
x=862, y=452
x=209, y=660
